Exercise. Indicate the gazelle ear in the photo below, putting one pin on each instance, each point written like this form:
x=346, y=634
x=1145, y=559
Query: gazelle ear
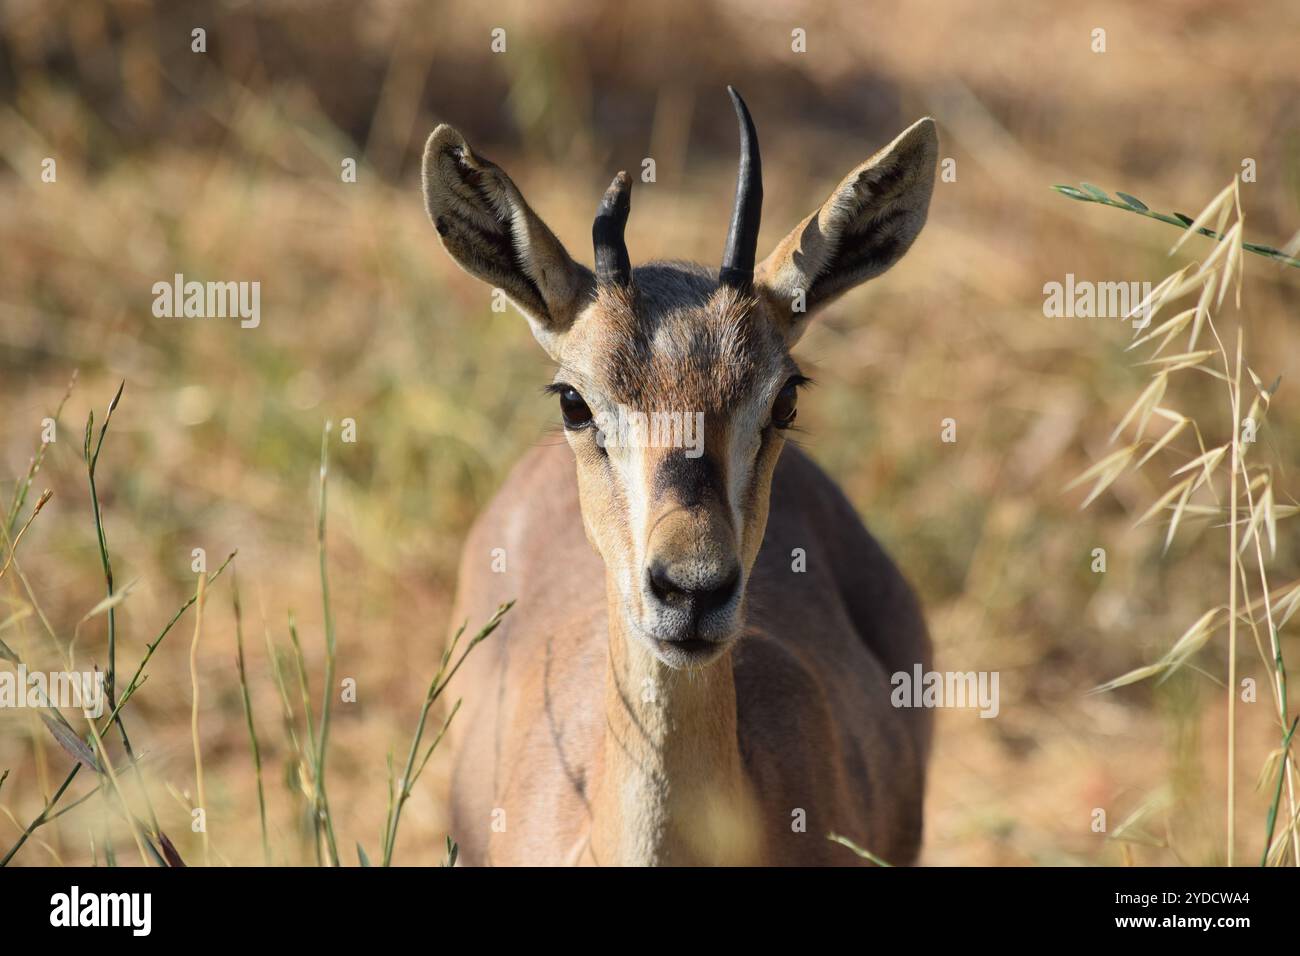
x=492, y=234
x=865, y=226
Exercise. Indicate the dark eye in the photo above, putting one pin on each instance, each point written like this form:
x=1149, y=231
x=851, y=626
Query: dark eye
x=785, y=407
x=575, y=410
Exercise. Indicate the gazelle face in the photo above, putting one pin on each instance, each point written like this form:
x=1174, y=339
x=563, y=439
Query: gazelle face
x=675, y=399
x=675, y=383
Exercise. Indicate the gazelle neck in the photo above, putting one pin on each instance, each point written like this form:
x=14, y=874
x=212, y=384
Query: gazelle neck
x=673, y=789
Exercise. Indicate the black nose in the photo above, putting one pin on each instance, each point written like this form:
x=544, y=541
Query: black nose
x=686, y=587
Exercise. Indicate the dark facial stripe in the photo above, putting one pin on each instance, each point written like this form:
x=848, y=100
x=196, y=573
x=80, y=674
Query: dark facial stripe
x=690, y=481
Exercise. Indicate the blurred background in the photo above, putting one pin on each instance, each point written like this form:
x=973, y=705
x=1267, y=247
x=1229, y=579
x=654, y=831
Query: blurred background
x=226, y=165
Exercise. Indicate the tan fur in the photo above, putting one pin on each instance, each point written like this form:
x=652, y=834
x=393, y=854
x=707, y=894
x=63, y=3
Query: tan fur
x=591, y=732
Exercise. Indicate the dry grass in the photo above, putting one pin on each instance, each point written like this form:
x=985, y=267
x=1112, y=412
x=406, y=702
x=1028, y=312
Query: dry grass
x=228, y=167
x=1199, y=494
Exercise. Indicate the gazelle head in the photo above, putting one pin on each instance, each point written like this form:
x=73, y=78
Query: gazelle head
x=675, y=382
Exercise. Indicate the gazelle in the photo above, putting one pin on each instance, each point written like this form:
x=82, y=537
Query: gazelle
x=705, y=679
